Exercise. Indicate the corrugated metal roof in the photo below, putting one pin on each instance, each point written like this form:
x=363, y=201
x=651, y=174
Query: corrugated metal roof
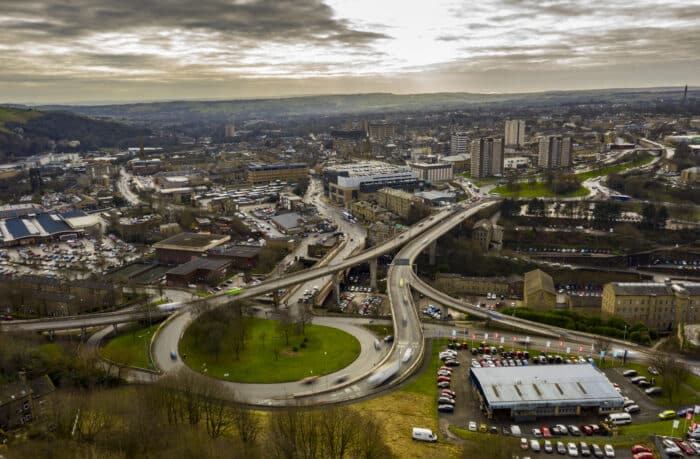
x=530, y=386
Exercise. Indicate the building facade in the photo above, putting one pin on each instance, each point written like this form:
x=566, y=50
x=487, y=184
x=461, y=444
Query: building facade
x=658, y=305
x=459, y=143
x=433, y=172
x=555, y=151
x=538, y=290
x=381, y=130
x=515, y=132
x=266, y=173
x=346, y=183
x=396, y=201
x=486, y=157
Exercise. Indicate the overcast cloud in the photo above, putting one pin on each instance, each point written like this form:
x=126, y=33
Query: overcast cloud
x=130, y=50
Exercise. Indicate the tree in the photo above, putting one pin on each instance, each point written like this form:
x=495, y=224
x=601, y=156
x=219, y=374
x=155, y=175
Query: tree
x=649, y=215
x=246, y=423
x=674, y=373
x=606, y=212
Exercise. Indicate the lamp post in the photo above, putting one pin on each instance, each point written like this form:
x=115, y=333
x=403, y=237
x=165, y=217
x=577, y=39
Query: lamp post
x=325, y=366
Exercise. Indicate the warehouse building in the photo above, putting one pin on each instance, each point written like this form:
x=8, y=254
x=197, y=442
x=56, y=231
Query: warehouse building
x=198, y=271
x=527, y=393
x=183, y=247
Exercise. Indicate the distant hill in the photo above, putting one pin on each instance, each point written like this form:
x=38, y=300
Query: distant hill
x=329, y=105
x=24, y=132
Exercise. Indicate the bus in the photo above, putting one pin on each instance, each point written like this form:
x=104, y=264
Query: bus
x=234, y=291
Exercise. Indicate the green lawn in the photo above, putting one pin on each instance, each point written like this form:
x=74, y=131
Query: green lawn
x=646, y=159
x=268, y=359
x=537, y=190
x=425, y=382
x=131, y=347
x=689, y=393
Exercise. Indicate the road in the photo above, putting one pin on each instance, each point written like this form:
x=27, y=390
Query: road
x=124, y=189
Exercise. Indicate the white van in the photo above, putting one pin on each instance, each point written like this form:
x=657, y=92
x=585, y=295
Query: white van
x=515, y=431
x=619, y=419
x=421, y=434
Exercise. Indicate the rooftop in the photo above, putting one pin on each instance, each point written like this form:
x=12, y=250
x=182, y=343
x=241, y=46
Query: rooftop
x=546, y=384
x=655, y=288
x=197, y=264
x=194, y=242
x=538, y=279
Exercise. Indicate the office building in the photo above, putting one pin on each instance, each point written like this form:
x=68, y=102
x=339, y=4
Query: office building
x=346, y=183
x=266, y=173
x=658, y=305
x=433, y=172
x=515, y=132
x=555, y=151
x=381, y=130
x=459, y=143
x=486, y=157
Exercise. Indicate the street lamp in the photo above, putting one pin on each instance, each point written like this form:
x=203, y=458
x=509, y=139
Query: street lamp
x=325, y=366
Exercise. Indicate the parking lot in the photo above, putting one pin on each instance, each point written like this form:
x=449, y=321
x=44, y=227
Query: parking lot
x=466, y=413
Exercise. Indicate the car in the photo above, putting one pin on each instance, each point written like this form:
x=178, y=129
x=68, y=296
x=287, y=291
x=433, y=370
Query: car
x=628, y=402
x=653, y=371
x=448, y=379
x=472, y=426
x=493, y=430
x=451, y=363
x=671, y=448
x=575, y=431
x=587, y=430
x=643, y=455
x=389, y=339
x=545, y=432
x=505, y=430
x=446, y=400
x=597, y=450
x=535, y=445
x=571, y=449
x=632, y=409
x=636, y=449
x=449, y=393
x=444, y=384
x=653, y=391
x=609, y=451
x=445, y=368
x=667, y=414
x=444, y=373
x=585, y=451
x=682, y=413
x=561, y=448
x=524, y=443
x=446, y=408
x=483, y=428
x=561, y=429
x=685, y=447
x=173, y=355
x=695, y=445
x=644, y=383
x=629, y=373
x=548, y=447
x=537, y=433
x=637, y=379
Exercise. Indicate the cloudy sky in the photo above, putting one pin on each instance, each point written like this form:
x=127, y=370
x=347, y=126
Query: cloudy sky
x=82, y=51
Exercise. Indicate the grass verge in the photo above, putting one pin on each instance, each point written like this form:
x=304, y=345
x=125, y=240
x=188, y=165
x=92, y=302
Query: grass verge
x=131, y=347
x=537, y=190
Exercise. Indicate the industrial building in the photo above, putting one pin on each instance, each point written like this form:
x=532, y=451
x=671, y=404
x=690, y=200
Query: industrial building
x=40, y=227
x=529, y=392
x=658, y=305
x=183, y=247
x=346, y=183
x=266, y=173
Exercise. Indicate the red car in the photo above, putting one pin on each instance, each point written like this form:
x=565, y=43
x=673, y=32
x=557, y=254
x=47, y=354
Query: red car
x=587, y=430
x=445, y=368
x=444, y=378
x=449, y=392
x=640, y=449
x=685, y=447
x=643, y=455
x=545, y=432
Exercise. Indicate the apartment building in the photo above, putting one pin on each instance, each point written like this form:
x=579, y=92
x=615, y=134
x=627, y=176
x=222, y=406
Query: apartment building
x=515, y=132
x=486, y=157
x=555, y=151
x=266, y=173
x=459, y=143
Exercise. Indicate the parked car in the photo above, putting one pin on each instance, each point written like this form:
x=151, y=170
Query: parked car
x=632, y=409
x=472, y=426
x=535, y=446
x=640, y=449
x=449, y=393
x=609, y=451
x=629, y=373
x=685, y=447
x=671, y=448
x=597, y=450
x=448, y=379
x=446, y=408
x=561, y=448
x=537, y=433
x=444, y=384
x=644, y=455
x=446, y=401
x=545, y=432
x=571, y=449
x=524, y=443
x=654, y=391
x=667, y=414
x=548, y=447
x=585, y=451
x=575, y=431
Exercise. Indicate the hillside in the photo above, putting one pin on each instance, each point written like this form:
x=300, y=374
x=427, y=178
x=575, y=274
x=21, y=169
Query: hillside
x=24, y=132
x=377, y=103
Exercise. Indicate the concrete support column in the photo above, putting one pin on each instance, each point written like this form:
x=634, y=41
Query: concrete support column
x=432, y=252
x=373, y=274
x=114, y=328
x=276, y=298
x=336, y=289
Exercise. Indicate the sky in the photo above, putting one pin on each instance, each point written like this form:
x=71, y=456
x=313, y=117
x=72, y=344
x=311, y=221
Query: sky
x=100, y=51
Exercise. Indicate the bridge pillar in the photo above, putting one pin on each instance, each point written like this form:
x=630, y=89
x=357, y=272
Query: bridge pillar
x=52, y=335
x=432, y=252
x=276, y=298
x=373, y=274
x=114, y=328
x=336, y=289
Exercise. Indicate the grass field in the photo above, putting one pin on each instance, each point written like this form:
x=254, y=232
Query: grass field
x=644, y=160
x=414, y=405
x=13, y=115
x=268, y=359
x=537, y=190
x=131, y=347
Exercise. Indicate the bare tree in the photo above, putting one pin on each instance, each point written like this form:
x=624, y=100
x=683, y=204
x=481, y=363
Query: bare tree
x=247, y=424
x=674, y=373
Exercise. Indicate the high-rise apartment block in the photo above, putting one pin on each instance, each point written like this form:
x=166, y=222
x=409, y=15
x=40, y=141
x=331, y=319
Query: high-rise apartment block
x=486, y=157
x=555, y=151
x=459, y=143
x=515, y=132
